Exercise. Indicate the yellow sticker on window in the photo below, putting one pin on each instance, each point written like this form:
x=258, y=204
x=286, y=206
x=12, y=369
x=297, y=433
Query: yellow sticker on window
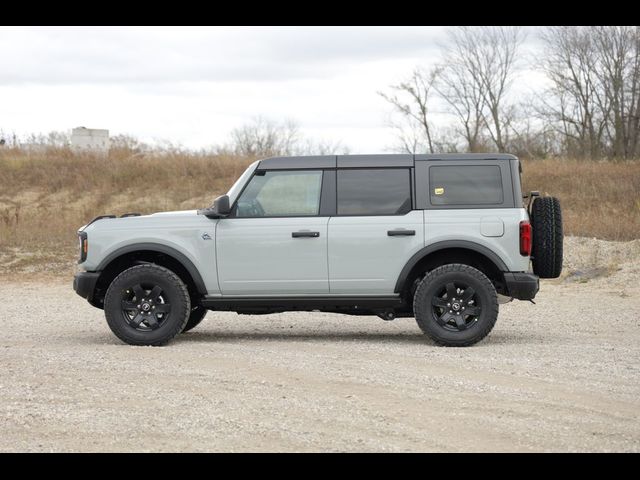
x=439, y=191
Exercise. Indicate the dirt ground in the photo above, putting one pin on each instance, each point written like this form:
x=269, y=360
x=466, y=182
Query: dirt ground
x=561, y=375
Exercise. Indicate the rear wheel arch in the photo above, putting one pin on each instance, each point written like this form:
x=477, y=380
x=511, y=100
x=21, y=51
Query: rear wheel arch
x=135, y=254
x=449, y=252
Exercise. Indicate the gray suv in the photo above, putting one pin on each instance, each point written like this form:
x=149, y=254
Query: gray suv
x=442, y=238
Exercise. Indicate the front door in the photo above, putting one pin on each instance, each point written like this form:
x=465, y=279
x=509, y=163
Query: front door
x=274, y=242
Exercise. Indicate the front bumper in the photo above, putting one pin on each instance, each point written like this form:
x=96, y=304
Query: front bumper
x=522, y=286
x=84, y=283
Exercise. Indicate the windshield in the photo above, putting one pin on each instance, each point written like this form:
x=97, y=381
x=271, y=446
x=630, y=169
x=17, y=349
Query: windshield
x=234, y=191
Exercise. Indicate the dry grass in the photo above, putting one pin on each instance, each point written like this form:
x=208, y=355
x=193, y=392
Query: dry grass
x=599, y=199
x=46, y=196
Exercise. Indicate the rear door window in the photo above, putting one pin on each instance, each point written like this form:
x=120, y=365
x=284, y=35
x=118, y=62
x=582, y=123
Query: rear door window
x=374, y=191
x=465, y=185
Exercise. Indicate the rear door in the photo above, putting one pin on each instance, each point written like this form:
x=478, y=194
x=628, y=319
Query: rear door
x=375, y=231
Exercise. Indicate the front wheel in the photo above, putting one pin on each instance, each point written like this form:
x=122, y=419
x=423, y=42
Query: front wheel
x=197, y=315
x=456, y=305
x=147, y=305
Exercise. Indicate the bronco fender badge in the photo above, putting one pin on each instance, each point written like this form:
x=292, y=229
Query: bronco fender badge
x=206, y=236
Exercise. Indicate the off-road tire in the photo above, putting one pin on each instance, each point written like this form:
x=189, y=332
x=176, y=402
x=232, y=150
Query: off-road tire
x=197, y=315
x=174, y=292
x=546, y=224
x=485, y=297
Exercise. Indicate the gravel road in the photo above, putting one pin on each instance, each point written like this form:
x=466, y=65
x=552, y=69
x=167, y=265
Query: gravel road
x=562, y=375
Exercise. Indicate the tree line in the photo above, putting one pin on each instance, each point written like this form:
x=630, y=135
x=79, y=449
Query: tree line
x=588, y=108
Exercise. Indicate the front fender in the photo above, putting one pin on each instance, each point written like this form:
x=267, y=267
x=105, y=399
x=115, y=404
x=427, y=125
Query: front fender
x=190, y=239
x=160, y=248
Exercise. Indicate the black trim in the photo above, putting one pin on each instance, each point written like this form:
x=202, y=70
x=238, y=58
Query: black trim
x=300, y=303
x=82, y=236
x=375, y=161
x=404, y=274
x=464, y=156
x=303, y=234
x=159, y=248
x=401, y=233
x=328, y=195
x=84, y=284
x=99, y=217
x=131, y=214
x=522, y=286
x=311, y=162
x=369, y=161
x=413, y=188
x=515, y=180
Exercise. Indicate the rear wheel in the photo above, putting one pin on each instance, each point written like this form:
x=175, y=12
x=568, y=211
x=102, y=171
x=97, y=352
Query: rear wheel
x=147, y=305
x=546, y=223
x=456, y=305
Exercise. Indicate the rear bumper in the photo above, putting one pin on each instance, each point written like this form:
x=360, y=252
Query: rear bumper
x=84, y=284
x=522, y=286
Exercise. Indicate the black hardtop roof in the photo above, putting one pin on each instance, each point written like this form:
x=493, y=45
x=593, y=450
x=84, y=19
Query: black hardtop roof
x=375, y=160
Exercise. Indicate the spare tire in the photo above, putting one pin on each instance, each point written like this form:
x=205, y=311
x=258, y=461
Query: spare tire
x=546, y=223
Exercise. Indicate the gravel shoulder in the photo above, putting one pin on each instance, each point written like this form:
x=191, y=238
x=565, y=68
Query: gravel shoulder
x=561, y=375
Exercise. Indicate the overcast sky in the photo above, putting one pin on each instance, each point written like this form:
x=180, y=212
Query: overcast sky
x=193, y=85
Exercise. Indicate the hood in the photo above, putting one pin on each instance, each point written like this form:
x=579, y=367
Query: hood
x=111, y=221
x=177, y=213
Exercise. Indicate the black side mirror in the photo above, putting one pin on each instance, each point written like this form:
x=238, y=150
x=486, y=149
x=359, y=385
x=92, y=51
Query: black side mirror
x=221, y=208
x=221, y=205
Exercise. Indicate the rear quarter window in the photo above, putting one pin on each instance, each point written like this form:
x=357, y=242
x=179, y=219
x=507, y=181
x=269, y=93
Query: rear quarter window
x=465, y=185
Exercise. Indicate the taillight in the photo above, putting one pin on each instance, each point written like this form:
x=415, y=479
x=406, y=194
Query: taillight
x=84, y=246
x=525, y=238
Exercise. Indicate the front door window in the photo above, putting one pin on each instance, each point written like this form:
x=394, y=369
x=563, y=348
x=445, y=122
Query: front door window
x=281, y=193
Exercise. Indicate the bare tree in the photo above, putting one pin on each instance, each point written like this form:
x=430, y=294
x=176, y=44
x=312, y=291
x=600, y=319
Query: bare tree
x=473, y=79
x=310, y=146
x=263, y=137
x=409, y=138
x=595, y=95
x=457, y=85
x=570, y=63
x=411, y=100
x=618, y=74
x=479, y=64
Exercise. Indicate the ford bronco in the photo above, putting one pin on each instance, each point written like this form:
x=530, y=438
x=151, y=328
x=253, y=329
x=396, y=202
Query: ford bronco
x=442, y=238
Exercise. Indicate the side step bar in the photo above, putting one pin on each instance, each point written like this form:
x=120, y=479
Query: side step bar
x=300, y=303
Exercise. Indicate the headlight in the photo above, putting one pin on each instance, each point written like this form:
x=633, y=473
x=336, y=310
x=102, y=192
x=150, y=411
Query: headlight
x=84, y=246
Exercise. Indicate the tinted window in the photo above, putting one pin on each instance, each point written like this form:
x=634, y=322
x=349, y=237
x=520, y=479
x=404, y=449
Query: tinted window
x=281, y=194
x=374, y=192
x=465, y=185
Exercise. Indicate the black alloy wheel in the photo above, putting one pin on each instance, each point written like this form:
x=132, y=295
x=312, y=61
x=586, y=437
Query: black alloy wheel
x=147, y=305
x=144, y=307
x=455, y=306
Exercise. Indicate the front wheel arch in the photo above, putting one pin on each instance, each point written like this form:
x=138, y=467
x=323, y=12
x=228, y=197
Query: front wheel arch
x=136, y=254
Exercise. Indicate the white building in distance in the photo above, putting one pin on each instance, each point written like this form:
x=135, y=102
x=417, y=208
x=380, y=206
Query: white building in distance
x=94, y=139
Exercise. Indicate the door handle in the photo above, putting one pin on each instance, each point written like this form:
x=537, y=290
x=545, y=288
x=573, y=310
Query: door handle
x=305, y=234
x=401, y=233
